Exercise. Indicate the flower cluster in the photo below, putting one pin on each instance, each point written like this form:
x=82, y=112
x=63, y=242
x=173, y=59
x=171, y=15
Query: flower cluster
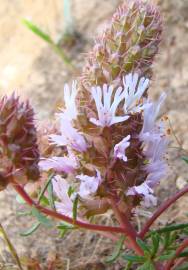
x=115, y=152
x=19, y=151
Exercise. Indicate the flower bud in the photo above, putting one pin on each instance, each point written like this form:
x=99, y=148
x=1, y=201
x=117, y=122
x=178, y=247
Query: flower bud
x=19, y=152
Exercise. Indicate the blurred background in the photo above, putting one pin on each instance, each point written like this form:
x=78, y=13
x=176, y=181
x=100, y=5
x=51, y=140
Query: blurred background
x=37, y=70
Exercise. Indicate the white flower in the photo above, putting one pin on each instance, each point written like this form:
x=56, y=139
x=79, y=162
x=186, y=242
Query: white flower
x=151, y=112
x=61, y=188
x=119, y=149
x=156, y=168
x=134, y=88
x=70, y=101
x=107, y=106
x=89, y=184
x=69, y=137
x=145, y=191
x=59, y=164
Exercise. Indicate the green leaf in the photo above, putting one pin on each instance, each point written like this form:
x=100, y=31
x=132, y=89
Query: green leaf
x=185, y=159
x=36, y=30
x=135, y=259
x=65, y=227
x=143, y=246
x=155, y=240
x=128, y=267
x=147, y=266
x=183, y=254
x=40, y=217
x=71, y=190
x=74, y=210
x=50, y=195
x=171, y=228
x=31, y=230
x=23, y=213
x=43, y=190
x=166, y=256
x=167, y=240
x=117, y=250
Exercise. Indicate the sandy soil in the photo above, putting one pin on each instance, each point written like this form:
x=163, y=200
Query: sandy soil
x=31, y=67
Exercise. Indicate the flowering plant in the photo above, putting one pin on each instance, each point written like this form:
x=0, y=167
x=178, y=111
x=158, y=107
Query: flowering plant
x=106, y=149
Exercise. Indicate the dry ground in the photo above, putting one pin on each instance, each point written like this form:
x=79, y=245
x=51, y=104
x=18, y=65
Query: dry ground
x=29, y=66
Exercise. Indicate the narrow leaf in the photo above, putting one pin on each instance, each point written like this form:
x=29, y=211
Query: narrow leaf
x=10, y=246
x=36, y=30
x=166, y=257
x=67, y=226
x=185, y=159
x=117, y=250
x=183, y=254
x=74, y=210
x=131, y=258
x=172, y=228
x=155, y=240
x=143, y=246
x=43, y=190
x=31, y=230
x=40, y=217
x=64, y=228
x=50, y=195
x=147, y=266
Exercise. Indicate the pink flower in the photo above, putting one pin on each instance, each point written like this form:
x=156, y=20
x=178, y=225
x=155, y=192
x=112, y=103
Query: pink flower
x=119, y=149
x=61, y=188
x=134, y=88
x=69, y=137
x=59, y=164
x=107, y=106
x=89, y=184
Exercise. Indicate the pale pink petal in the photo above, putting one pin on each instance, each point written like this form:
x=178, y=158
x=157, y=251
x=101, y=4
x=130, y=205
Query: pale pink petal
x=134, y=89
x=59, y=164
x=119, y=149
x=89, y=184
x=61, y=188
x=107, y=105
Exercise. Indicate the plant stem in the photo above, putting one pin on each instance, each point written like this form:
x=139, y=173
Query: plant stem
x=20, y=190
x=170, y=263
x=11, y=247
x=162, y=209
x=44, y=188
x=128, y=228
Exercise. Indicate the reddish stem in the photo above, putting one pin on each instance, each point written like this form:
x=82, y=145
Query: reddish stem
x=170, y=263
x=162, y=209
x=20, y=190
x=128, y=228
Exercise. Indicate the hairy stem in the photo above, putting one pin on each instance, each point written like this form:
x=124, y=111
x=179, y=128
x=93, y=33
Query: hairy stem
x=128, y=228
x=20, y=190
x=162, y=209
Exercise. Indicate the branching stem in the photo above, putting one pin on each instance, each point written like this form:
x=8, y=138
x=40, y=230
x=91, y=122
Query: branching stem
x=20, y=190
x=162, y=209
